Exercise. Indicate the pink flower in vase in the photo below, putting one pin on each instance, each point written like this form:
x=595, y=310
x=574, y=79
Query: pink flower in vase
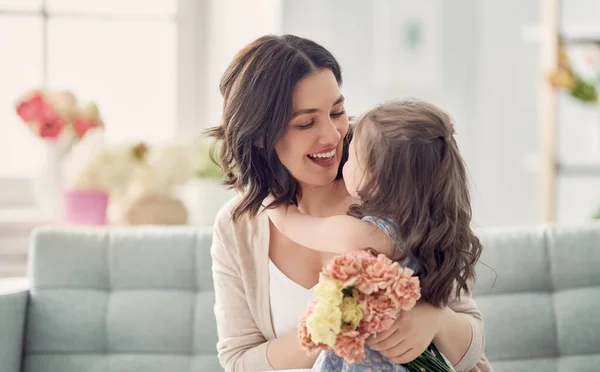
x=87, y=118
x=51, y=127
x=39, y=115
x=48, y=124
x=83, y=125
x=31, y=109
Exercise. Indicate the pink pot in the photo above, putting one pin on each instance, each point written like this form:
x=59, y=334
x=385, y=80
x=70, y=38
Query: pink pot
x=85, y=207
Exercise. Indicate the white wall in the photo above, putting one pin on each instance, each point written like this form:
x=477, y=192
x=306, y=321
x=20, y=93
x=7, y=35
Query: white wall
x=503, y=121
x=232, y=25
x=345, y=27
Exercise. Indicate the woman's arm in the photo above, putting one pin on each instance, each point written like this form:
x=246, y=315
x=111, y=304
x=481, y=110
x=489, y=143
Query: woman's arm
x=455, y=335
x=337, y=234
x=241, y=346
x=462, y=335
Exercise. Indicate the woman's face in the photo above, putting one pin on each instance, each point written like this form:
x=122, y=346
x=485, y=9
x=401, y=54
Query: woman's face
x=311, y=148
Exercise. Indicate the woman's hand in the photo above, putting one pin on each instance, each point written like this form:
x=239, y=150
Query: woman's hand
x=410, y=335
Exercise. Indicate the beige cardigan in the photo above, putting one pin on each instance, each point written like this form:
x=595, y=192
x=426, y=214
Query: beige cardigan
x=240, y=254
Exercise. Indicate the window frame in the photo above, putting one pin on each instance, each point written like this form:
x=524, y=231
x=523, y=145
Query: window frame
x=192, y=40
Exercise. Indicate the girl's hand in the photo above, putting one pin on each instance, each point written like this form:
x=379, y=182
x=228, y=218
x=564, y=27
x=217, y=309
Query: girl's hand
x=410, y=335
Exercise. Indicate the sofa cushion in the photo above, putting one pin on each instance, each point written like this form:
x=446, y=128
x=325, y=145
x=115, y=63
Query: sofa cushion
x=539, y=291
x=136, y=299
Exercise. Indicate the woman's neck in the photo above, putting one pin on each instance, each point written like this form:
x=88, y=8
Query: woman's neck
x=324, y=201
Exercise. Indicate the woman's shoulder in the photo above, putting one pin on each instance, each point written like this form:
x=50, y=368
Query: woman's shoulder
x=241, y=234
x=224, y=218
x=225, y=214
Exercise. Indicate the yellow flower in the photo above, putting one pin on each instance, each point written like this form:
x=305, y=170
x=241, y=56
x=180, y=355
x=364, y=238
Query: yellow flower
x=351, y=311
x=562, y=79
x=324, y=323
x=329, y=291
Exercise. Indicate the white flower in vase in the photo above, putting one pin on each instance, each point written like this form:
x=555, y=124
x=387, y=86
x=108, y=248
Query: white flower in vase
x=96, y=164
x=152, y=199
x=163, y=168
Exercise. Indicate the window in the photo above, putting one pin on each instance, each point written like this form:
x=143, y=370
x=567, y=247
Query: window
x=122, y=54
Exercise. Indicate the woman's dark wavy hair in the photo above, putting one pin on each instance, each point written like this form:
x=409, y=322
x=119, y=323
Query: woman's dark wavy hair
x=257, y=89
x=417, y=177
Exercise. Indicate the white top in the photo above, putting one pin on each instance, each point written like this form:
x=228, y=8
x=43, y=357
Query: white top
x=288, y=302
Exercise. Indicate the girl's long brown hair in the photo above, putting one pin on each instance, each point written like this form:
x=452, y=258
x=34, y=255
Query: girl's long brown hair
x=417, y=177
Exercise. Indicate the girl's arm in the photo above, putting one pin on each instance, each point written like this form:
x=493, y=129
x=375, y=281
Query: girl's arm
x=337, y=234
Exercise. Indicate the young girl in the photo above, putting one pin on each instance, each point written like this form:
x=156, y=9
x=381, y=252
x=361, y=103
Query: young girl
x=405, y=169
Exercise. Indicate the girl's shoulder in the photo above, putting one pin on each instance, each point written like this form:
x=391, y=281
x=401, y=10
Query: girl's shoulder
x=392, y=230
x=388, y=226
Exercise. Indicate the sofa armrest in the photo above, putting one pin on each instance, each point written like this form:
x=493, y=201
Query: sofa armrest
x=13, y=308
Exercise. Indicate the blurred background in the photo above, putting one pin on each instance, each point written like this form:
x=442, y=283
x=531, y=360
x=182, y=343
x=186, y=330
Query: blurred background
x=102, y=101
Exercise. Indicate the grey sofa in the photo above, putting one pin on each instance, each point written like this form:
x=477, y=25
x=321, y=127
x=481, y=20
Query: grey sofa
x=141, y=300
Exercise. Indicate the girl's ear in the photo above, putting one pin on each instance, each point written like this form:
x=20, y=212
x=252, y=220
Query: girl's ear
x=260, y=143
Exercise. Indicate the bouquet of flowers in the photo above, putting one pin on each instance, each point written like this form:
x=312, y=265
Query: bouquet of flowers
x=360, y=294
x=57, y=115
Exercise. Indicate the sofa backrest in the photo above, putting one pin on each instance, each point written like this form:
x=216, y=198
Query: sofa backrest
x=542, y=312
x=141, y=299
x=121, y=300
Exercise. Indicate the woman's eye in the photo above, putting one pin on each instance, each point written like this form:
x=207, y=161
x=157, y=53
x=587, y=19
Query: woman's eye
x=338, y=114
x=306, y=126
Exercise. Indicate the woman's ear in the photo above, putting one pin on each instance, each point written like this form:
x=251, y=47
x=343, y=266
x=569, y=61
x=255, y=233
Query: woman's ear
x=260, y=143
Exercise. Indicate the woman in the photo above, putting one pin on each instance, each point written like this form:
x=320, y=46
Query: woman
x=285, y=132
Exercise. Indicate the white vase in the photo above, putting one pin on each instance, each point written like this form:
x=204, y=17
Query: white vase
x=204, y=199
x=48, y=185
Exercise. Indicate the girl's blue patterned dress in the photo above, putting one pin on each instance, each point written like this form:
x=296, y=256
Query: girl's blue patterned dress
x=374, y=361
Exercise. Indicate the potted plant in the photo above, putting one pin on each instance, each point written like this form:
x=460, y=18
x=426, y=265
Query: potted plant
x=97, y=173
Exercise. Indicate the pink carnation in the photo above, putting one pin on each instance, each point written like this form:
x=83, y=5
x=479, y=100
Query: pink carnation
x=378, y=274
x=379, y=312
x=405, y=291
x=347, y=269
x=350, y=345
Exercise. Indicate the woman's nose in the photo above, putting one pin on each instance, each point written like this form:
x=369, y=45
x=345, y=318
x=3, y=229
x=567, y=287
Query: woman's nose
x=330, y=133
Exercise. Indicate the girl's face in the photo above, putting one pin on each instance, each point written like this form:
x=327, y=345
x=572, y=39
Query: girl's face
x=311, y=148
x=354, y=174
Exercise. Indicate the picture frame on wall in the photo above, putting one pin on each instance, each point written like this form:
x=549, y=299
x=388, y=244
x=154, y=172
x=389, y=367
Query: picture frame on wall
x=407, y=43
